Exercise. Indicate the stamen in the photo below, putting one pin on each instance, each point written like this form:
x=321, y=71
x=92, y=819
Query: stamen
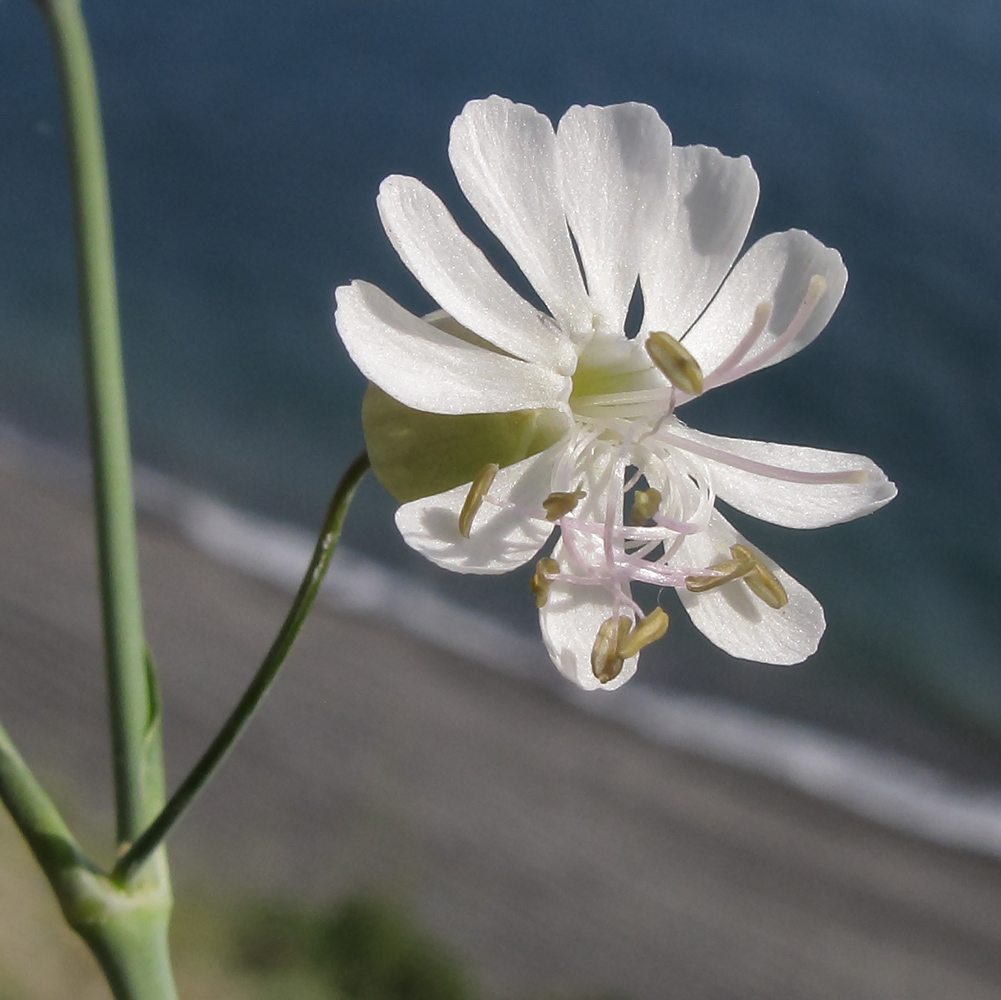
x=742, y=563
x=546, y=570
x=674, y=360
x=733, y=370
x=806, y=477
x=606, y=663
x=646, y=503
x=474, y=498
x=558, y=505
x=649, y=630
x=762, y=314
x=747, y=566
x=761, y=581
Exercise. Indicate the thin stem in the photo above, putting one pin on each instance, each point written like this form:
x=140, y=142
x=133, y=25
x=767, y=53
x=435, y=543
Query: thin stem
x=34, y=813
x=128, y=685
x=262, y=681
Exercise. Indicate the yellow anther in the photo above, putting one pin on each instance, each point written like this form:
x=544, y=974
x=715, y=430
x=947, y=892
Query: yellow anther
x=747, y=566
x=741, y=564
x=558, y=504
x=646, y=503
x=673, y=359
x=605, y=659
x=649, y=630
x=761, y=581
x=474, y=498
x=546, y=570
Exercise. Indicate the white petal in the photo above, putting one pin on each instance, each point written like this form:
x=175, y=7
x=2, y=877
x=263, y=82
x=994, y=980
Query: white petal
x=461, y=280
x=501, y=539
x=570, y=620
x=427, y=369
x=504, y=157
x=710, y=207
x=737, y=621
x=786, y=484
x=614, y=170
x=777, y=270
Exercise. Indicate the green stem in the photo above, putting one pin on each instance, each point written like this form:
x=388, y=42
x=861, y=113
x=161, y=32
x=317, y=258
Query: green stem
x=128, y=687
x=34, y=813
x=265, y=676
x=126, y=928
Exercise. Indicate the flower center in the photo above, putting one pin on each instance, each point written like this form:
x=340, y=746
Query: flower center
x=616, y=381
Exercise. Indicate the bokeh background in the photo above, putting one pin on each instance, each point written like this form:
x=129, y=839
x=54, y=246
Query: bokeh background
x=247, y=141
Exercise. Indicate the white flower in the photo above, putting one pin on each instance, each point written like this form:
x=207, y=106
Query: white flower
x=513, y=420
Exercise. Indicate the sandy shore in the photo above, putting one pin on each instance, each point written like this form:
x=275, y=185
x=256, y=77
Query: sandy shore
x=554, y=851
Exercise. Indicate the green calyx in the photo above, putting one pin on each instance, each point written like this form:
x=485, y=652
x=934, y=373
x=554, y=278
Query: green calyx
x=416, y=454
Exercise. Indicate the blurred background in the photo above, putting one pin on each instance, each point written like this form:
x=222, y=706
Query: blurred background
x=246, y=144
x=247, y=141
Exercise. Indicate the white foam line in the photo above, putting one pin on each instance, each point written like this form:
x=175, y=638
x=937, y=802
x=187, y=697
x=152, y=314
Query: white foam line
x=881, y=786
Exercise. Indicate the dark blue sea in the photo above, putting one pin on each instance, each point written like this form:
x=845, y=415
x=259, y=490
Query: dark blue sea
x=246, y=144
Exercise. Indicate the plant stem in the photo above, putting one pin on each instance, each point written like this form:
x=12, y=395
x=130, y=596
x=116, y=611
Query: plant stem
x=126, y=928
x=34, y=813
x=128, y=686
x=265, y=676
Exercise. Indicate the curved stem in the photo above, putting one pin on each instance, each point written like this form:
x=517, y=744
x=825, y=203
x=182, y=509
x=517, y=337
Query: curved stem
x=265, y=676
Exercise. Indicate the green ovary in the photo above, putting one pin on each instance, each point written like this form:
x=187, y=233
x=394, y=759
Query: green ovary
x=416, y=454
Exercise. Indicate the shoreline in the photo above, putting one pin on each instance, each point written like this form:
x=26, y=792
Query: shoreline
x=556, y=851
x=878, y=784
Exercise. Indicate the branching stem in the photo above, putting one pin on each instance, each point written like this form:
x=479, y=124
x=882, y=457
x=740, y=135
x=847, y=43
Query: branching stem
x=262, y=681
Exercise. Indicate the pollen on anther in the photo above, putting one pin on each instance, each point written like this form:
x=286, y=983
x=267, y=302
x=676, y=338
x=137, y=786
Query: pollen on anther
x=606, y=663
x=719, y=573
x=645, y=632
x=546, y=570
x=675, y=361
x=478, y=489
x=558, y=505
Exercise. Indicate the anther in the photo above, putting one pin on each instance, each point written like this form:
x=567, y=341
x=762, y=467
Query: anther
x=674, y=360
x=723, y=572
x=546, y=570
x=557, y=505
x=761, y=581
x=474, y=498
x=646, y=503
x=606, y=663
x=649, y=630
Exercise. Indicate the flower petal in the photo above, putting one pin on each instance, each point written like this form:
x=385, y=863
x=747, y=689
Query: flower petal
x=777, y=270
x=614, y=170
x=786, y=484
x=504, y=157
x=502, y=538
x=428, y=369
x=710, y=205
x=570, y=620
x=737, y=621
x=461, y=280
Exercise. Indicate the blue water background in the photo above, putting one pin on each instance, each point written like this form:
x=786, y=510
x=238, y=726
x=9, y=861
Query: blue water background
x=246, y=143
